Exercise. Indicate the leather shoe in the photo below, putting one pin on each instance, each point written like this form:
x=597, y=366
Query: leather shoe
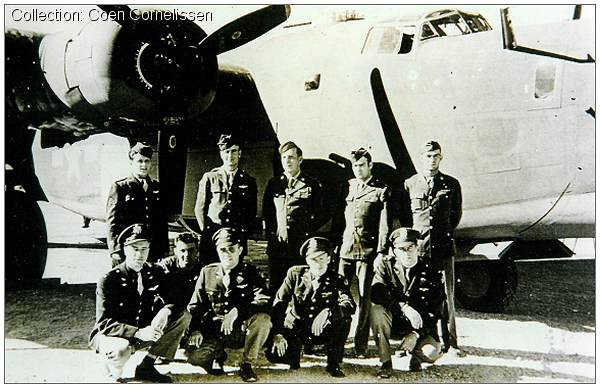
x=414, y=364
x=385, y=370
x=295, y=365
x=149, y=373
x=212, y=370
x=335, y=371
x=247, y=373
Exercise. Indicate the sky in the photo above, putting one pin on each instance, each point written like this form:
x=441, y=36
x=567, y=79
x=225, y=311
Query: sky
x=221, y=14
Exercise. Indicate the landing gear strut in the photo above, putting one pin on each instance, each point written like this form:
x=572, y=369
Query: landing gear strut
x=26, y=241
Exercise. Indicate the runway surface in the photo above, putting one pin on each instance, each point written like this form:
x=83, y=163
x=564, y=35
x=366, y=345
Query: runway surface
x=546, y=335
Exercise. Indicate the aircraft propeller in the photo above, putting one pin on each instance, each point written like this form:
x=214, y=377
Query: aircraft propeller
x=245, y=29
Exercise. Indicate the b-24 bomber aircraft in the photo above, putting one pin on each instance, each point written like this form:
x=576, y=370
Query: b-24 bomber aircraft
x=514, y=110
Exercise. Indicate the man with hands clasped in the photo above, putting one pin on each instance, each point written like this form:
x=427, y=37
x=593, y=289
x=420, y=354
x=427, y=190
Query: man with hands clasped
x=407, y=296
x=229, y=309
x=131, y=314
x=312, y=306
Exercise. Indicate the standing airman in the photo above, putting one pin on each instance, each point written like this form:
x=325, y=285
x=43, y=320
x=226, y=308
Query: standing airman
x=367, y=218
x=226, y=198
x=436, y=204
x=136, y=199
x=293, y=211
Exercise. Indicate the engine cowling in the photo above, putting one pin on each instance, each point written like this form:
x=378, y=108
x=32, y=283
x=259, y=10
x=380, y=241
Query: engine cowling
x=144, y=73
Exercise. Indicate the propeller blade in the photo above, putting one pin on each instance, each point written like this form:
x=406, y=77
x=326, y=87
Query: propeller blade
x=118, y=9
x=245, y=29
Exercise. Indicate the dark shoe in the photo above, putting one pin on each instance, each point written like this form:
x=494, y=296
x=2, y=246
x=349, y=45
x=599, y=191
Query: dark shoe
x=295, y=365
x=149, y=373
x=385, y=370
x=361, y=354
x=455, y=352
x=247, y=374
x=214, y=369
x=414, y=364
x=335, y=371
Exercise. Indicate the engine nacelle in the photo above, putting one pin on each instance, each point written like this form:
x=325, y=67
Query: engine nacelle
x=144, y=73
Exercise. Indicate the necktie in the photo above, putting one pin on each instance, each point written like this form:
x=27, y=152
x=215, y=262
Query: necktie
x=430, y=182
x=291, y=183
x=226, y=280
x=145, y=184
x=315, y=284
x=140, y=285
x=361, y=186
x=229, y=180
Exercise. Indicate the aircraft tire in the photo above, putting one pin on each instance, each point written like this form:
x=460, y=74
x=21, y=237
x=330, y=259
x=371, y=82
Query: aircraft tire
x=486, y=286
x=26, y=241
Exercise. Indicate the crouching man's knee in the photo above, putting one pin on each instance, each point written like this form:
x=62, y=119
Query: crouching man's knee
x=115, y=351
x=380, y=317
x=259, y=323
x=428, y=350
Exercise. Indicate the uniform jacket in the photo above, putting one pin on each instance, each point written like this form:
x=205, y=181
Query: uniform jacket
x=436, y=212
x=422, y=288
x=297, y=299
x=218, y=205
x=299, y=210
x=177, y=285
x=128, y=204
x=211, y=299
x=120, y=309
x=367, y=219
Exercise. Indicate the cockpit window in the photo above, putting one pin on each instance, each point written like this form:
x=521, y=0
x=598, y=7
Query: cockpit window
x=451, y=26
x=452, y=23
x=427, y=32
x=388, y=40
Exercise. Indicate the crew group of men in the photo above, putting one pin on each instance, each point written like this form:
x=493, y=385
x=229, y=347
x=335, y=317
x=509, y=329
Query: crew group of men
x=206, y=299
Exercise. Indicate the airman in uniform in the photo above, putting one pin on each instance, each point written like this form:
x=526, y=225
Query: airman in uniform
x=136, y=199
x=180, y=271
x=226, y=198
x=407, y=295
x=229, y=309
x=436, y=204
x=313, y=306
x=131, y=315
x=293, y=211
x=367, y=217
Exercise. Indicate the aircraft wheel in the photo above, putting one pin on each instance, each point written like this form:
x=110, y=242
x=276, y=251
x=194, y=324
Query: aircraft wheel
x=486, y=286
x=26, y=241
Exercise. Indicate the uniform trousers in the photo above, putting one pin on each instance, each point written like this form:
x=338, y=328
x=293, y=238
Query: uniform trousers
x=333, y=337
x=448, y=321
x=166, y=346
x=363, y=269
x=282, y=256
x=250, y=334
x=384, y=323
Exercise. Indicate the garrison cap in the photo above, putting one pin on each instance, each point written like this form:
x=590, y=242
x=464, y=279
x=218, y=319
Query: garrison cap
x=402, y=236
x=431, y=145
x=359, y=153
x=142, y=149
x=134, y=233
x=226, y=237
x=314, y=246
x=288, y=146
x=227, y=141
